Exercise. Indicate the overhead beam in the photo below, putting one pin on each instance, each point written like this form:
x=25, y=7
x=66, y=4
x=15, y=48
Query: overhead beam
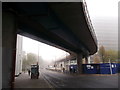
x=31, y=27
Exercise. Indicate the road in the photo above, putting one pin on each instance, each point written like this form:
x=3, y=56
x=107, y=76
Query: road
x=61, y=80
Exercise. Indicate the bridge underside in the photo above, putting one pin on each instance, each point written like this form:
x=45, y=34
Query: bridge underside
x=62, y=25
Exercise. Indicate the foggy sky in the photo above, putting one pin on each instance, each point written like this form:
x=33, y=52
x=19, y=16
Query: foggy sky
x=104, y=17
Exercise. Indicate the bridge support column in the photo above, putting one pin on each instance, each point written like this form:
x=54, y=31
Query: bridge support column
x=79, y=63
x=9, y=36
x=86, y=60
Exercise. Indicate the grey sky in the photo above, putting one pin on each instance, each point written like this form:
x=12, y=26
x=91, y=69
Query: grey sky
x=104, y=17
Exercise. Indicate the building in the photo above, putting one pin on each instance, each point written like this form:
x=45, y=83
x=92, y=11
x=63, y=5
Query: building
x=18, y=67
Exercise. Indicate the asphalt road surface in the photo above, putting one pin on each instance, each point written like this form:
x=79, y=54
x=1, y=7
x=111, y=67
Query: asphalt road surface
x=60, y=80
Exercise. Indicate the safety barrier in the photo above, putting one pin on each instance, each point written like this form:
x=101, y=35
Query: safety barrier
x=104, y=68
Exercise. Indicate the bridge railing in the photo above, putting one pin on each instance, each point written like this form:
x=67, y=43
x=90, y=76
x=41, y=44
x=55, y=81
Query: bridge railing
x=89, y=20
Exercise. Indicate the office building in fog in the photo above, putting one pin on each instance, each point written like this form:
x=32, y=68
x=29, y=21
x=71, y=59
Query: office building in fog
x=107, y=33
x=18, y=67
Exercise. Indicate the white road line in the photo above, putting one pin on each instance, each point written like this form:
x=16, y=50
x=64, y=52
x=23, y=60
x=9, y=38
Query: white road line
x=47, y=82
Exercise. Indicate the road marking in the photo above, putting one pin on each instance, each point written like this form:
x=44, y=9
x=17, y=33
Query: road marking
x=47, y=82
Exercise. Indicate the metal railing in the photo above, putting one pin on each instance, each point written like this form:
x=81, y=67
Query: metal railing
x=87, y=17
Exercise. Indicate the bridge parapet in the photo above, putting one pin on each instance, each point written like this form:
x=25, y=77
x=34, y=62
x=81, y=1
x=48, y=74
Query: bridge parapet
x=89, y=22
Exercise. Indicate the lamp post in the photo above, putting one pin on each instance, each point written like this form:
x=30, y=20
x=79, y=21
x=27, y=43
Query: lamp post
x=38, y=54
x=110, y=65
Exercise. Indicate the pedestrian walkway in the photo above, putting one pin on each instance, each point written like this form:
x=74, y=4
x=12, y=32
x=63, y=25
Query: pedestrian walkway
x=24, y=81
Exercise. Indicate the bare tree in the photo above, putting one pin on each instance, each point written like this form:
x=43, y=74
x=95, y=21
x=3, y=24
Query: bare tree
x=102, y=53
x=96, y=58
x=31, y=59
x=112, y=55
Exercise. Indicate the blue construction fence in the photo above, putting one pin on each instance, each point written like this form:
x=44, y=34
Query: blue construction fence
x=104, y=68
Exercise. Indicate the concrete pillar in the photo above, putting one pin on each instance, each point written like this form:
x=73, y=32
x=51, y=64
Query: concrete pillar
x=89, y=60
x=86, y=60
x=79, y=63
x=0, y=45
x=9, y=36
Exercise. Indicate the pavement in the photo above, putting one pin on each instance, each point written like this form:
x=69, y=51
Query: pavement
x=24, y=81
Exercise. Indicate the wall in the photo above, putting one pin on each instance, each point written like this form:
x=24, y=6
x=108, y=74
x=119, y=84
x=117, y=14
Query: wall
x=18, y=67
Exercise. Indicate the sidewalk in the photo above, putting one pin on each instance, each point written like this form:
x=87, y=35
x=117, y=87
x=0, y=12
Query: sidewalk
x=24, y=81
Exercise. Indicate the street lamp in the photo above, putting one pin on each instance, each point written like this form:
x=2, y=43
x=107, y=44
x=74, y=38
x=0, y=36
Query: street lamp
x=110, y=65
x=38, y=54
